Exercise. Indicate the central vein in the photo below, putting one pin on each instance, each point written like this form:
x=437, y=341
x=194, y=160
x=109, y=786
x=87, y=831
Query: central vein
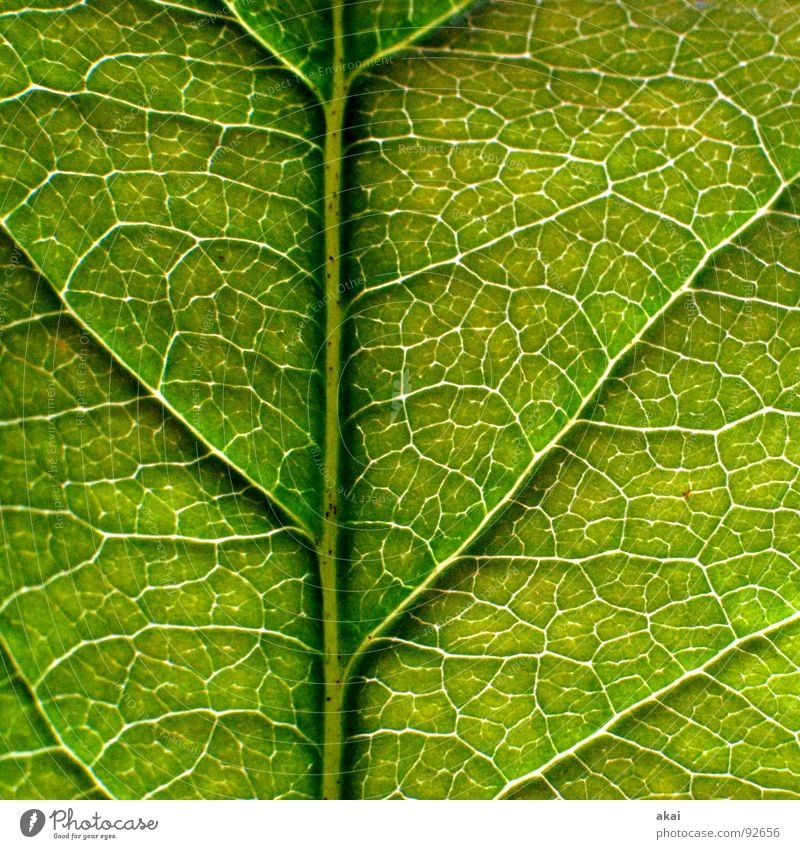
x=329, y=544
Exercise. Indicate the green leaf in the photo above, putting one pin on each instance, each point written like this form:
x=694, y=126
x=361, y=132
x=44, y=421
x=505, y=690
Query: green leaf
x=400, y=405
x=301, y=32
x=33, y=765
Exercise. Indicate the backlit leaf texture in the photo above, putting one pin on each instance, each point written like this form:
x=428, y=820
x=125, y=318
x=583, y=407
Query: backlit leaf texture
x=399, y=400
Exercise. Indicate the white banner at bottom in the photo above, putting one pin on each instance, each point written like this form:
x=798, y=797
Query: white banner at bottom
x=398, y=825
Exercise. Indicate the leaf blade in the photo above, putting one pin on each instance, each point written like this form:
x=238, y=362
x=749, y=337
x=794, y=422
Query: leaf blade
x=198, y=263
x=495, y=287
x=633, y=572
x=158, y=614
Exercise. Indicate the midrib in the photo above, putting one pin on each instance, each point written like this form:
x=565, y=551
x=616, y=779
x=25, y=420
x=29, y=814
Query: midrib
x=328, y=547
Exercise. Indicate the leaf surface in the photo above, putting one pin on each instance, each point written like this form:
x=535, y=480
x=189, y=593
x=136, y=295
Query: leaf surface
x=629, y=626
x=171, y=196
x=421, y=430
x=164, y=622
